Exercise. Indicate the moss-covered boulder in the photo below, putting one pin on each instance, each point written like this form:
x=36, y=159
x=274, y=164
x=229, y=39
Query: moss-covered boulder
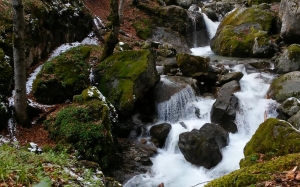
x=86, y=125
x=190, y=64
x=125, y=77
x=6, y=74
x=274, y=137
x=63, y=76
x=48, y=25
x=285, y=86
x=249, y=176
x=289, y=60
x=245, y=32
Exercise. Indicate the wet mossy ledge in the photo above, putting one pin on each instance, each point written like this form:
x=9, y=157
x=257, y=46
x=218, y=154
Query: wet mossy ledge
x=245, y=32
x=125, y=77
x=48, y=25
x=86, y=126
x=63, y=76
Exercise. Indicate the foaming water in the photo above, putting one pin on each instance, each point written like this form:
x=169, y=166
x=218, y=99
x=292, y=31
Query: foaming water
x=177, y=106
x=170, y=166
x=210, y=26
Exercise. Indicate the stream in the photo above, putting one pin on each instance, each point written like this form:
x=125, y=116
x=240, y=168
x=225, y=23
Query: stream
x=169, y=165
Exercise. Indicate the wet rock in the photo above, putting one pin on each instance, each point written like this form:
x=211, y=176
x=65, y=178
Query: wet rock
x=285, y=86
x=160, y=132
x=295, y=120
x=289, y=14
x=224, y=109
x=230, y=77
x=289, y=60
x=190, y=64
x=290, y=106
x=202, y=147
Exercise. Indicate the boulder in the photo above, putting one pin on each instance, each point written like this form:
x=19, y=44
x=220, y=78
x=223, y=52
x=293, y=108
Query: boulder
x=230, y=77
x=125, y=77
x=63, y=76
x=184, y=3
x=165, y=35
x=224, y=109
x=290, y=106
x=202, y=147
x=289, y=14
x=160, y=133
x=285, y=86
x=6, y=74
x=86, y=126
x=190, y=64
x=289, y=60
x=256, y=2
x=276, y=136
x=244, y=32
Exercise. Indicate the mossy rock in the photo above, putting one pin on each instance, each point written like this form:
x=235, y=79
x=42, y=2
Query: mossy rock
x=63, y=76
x=289, y=60
x=274, y=136
x=244, y=33
x=124, y=77
x=6, y=74
x=256, y=2
x=285, y=86
x=257, y=173
x=190, y=65
x=143, y=28
x=86, y=124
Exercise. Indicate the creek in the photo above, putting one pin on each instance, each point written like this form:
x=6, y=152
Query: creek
x=169, y=165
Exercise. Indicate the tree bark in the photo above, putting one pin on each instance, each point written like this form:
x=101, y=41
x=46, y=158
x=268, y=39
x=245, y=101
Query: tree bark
x=20, y=98
x=111, y=39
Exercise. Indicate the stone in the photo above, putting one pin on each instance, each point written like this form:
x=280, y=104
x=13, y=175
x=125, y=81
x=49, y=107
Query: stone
x=224, y=109
x=202, y=147
x=160, y=132
x=190, y=64
x=290, y=106
x=289, y=60
x=230, y=77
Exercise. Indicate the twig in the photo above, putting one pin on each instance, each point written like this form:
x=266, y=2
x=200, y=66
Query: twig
x=200, y=183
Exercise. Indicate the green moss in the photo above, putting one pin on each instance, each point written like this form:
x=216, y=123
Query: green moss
x=256, y=2
x=143, y=28
x=294, y=52
x=63, y=76
x=274, y=136
x=118, y=76
x=87, y=128
x=189, y=64
x=256, y=173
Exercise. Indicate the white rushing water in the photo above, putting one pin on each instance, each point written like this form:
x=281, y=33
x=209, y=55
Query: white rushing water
x=169, y=165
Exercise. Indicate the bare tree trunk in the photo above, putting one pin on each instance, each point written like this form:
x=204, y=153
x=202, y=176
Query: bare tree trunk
x=20, y=98
x=111, y=39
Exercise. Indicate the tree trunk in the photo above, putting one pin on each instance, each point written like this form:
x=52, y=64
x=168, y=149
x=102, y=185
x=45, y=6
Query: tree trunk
x=121, y=7
x=111, y=39
x=20, y=98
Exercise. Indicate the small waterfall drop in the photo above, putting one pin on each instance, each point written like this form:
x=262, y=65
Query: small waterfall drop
x=210, y=26
x=193, y=18
x=177, y=106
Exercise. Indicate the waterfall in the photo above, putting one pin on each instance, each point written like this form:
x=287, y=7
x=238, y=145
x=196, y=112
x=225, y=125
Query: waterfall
x=193, y=18
x=210, y=26
x=177, y=107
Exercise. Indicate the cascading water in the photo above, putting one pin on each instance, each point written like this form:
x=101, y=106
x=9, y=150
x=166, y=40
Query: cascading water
x=169, y=165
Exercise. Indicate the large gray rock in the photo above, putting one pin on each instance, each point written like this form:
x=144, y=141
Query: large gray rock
x=165, y=35
x=202, y=147
x=160, y=132
x=289, y=13
x=224, y=109
x=295, y=120
x=289, y=60
x=290, y=106
x=285, y=86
